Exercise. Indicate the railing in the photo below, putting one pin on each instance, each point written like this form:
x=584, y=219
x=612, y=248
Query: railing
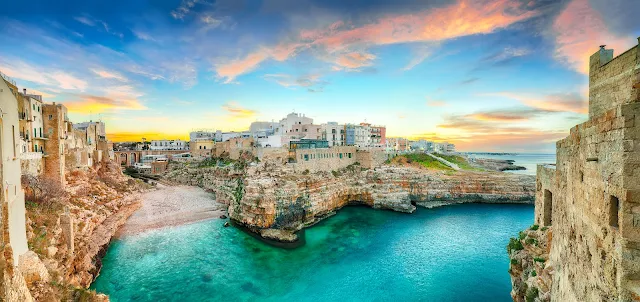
x=8, y=79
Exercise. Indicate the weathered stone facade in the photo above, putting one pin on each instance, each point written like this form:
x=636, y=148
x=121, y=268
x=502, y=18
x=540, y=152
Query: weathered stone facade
x=55, y=129
x=322, y=159
x=592, y=198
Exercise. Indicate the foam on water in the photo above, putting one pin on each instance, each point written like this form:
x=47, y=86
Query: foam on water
x=452, y=253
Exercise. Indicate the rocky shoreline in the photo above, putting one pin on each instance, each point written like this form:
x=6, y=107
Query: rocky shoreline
x=496, y=164
x=276, y=204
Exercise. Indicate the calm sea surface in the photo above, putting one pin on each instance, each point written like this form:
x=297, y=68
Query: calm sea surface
x=452, y=253
x=527, y=160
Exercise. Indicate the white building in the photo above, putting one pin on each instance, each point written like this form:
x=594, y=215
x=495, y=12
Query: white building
x=334, y=134
x=444, y=147
x=286, y=124
x=202, y=135
x=422, y=145
x=174, y=144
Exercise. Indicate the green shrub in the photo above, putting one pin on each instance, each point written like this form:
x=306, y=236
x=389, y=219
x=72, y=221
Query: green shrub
x=335, y=173
x=531, y=241
x=544, y=228
x=534, y=227
x=521, y=235
x=532, y=294
x=514, y=261
x=514, y=245
x=533, y=273
x=539, y=259
x=305, y=172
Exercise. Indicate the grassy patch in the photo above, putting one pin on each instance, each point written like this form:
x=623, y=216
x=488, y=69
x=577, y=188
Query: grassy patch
x=423, y=160
x=460, y=161
x=514, y=245
x=534, y=227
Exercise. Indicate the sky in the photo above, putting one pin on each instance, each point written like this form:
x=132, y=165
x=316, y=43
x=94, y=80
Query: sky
x=499, y=76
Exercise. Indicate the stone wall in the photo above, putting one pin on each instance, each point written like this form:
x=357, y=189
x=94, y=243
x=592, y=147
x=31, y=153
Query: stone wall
x=323, y=159
x=545, y=188
x=371, y=158
x=594, y=204
x=54, y=127
x=31, y=163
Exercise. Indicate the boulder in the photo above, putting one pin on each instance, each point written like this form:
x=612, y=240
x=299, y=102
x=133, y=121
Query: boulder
x=32, y=269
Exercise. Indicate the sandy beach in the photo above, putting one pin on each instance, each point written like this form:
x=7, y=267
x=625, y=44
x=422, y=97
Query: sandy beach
x=170, y=206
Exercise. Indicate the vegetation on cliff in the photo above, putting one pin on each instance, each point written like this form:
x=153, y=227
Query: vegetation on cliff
x=420, y=160
x=89, y=198
x=528, y=265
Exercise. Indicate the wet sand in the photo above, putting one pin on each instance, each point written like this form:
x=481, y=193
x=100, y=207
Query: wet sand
x=171, y=206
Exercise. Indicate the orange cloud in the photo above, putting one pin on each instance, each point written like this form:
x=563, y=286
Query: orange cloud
x=355, y=60
x=99, y=104
x=432, y=103
x=137, y=136
x=235, y=111
x=579, y=31
x=466, y=17
x=558, y=102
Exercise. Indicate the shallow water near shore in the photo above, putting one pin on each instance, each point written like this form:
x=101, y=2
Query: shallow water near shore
x=451, y=253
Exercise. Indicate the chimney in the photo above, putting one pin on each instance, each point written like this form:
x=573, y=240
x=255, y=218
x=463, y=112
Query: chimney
x=24, y=90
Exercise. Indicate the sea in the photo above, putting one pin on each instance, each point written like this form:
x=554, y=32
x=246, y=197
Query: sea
x=527, y=160
x=450, y=253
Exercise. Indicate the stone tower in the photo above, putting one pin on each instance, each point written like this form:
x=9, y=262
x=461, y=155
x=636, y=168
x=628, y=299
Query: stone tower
x=591, y=198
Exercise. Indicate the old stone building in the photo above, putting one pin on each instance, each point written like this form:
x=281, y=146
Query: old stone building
x=591, y=198
x=56, y=128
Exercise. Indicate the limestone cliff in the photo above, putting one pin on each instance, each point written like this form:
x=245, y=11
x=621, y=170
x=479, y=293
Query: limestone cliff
x=276, y=202
x=529, y=267
x=70, y=228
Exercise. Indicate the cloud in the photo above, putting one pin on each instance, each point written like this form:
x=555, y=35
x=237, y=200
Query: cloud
x=235, y=111
x=312, y=82
x=342, y=40
x=100, y=104
x=579, y=30
x=109, y=75
x=143, y=35
x=491, y=131
x=469, y=81
x=184, y=9
x=353, y=61
x=137, y=136
x=554, y=102
x=435, y=103
x=420, y=54
x=85, y=20
x=43, y=76
x=507, y=115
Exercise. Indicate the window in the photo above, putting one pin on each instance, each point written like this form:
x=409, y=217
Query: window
x=340, y=155
x=50, y=117
x=614, y=209
x=547, y=208
x=349, y=155
x=35, y=132
x=306, y=157
x=13, y=137
x=200, y=147
x=205, y=147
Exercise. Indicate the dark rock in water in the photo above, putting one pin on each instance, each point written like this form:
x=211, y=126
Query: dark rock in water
x=223, y=216
x=226, y=224
x=497, y=164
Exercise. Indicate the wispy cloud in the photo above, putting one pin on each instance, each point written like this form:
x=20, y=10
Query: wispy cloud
x=312, y=82
x=109, y=75
x=100, y=104
x=467, y=17
x=43, y=76
x=555, y=102
x=579, y=30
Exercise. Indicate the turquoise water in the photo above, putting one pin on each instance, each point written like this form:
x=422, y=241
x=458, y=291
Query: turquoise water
x=452, y=253
x=527, y=160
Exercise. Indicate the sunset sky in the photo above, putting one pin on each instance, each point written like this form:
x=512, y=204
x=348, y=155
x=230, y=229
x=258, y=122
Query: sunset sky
x=486, y=75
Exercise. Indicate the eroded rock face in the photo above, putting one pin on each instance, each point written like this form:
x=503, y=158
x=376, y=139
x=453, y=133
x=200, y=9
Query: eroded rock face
x=270, y=196
x=530, y=269
x=32, y=269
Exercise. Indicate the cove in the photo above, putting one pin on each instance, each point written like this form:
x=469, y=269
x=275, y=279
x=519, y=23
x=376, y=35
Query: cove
x=450, y=253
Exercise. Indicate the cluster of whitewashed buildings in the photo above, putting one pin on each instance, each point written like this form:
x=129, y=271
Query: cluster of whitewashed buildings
x=295, y=127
